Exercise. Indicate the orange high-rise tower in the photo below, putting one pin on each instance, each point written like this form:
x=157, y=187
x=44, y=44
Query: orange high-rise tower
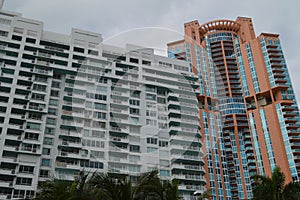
x=249, y=114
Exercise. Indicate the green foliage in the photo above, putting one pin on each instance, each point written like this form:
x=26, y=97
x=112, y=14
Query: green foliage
x=101, y=186
x=274, y=188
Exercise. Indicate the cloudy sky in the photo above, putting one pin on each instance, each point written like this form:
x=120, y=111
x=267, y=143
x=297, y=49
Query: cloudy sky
x=140, y=21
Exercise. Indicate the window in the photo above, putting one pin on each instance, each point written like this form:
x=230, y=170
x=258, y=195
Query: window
x=56, y=76
x=15, y=37
x=134, y=168
x=45, y=162
x=163, y=143
x=161, y=100
x=54, y=93
x=46, y=151
x=26, y=169
x=53, y=102
x=51, y=121
x=134, y=159
x=30, y=40
x=134, y=129
x=39, y=78
x=48, y=141
x=100, y=97
x=97, y=154
x=34, y=126
x=49, y=131
x=93, y=143
x=78, y=49
x=44, y=173
x=36, y=96
x=100, y=115
x=39, y=87
x=35, y=116
x=135, y=94
x=152, y=140
x=164, y=163
x=150, y=96
x=134, y=102
x=164, y=172
x=134, y=60
x=92, y=52
x=23, y=181
x=100, y=106
x=31, y=136
x=55, y=84
x=91, y=164
x=150, y=113
x=151, y=122
x=162, y=125
x=102, y=80
x=161, y=92
x=98, y=134
x=88, y=104
x=151, y=149
x=134, y=148
x=52, y=111
x=99, y=124
x=134, y=111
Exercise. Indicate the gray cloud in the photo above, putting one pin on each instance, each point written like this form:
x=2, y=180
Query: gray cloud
x=111, y=17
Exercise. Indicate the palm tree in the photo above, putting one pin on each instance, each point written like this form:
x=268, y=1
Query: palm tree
x=148, y=187
x=274, y=188
x=206, y=195
x=56, y=189
x=107, y=186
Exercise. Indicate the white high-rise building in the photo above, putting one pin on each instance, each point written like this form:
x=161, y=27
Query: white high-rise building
x=68, y=103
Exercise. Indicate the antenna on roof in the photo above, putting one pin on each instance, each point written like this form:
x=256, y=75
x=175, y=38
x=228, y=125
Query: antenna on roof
x=1, y=3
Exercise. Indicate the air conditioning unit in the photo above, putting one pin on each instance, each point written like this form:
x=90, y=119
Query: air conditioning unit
x=29, y=78
x=26, y=97
x=23, y=116
x=17, y=148
x=24, y=106
x=21, y=127
x=32, y=61
x=13, y=171
x=28, y=88
x=31, y=70
x=40, y=109
x=19, y=138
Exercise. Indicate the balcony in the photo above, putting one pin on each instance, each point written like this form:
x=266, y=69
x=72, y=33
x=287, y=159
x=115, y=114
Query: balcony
x=9, y=159
x=71, y=144
x=192, y=188
x=71, y=133
x=119, y=111
x=189, y=177
x=6, y=183
x=119, y=102
x=187, y=157
x=119, y=139
x=118, y=149
x=7, y=171
x=188, y=167
x=73, y=166
x=186, y=148
x=119, y=120
x=118, y=130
